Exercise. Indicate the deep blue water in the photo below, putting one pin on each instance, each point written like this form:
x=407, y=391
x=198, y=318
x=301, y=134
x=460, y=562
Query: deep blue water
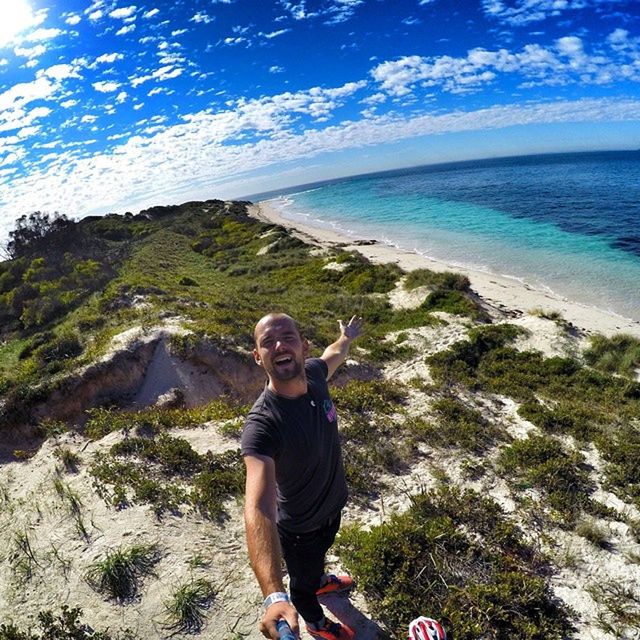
x=569, y=223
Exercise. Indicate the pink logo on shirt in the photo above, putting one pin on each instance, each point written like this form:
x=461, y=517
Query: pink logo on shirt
x=330, y=410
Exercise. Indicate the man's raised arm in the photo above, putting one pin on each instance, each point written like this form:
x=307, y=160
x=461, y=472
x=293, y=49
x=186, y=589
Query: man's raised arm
x=263, y=543
x=335, y=354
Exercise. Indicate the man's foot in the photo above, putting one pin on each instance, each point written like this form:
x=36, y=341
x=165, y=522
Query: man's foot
x=335, y=584
x=331, y=631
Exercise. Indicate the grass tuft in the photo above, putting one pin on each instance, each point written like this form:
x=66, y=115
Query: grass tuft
x=186, y=609
x=119, y=574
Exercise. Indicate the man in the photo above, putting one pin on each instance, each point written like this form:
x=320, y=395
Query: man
x=296, y=486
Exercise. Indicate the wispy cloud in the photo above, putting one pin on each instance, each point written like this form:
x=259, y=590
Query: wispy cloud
x=522, y=12
x=201, y=17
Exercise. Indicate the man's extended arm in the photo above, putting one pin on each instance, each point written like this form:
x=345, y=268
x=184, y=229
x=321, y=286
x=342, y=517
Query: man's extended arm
x=335, y=354
x=263, y=543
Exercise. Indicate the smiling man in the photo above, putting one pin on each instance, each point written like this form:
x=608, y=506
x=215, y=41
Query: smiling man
x=296, y=486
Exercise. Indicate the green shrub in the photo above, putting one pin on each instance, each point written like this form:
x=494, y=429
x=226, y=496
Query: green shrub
x=457, y=553
x=462, y=426
x=222, y=476
x=561, y=419
x=359, y=396
x=64, y=626
x=444, y=280
x=620, y=447
x=165, y=472
x=119, y=574
x=541, y=461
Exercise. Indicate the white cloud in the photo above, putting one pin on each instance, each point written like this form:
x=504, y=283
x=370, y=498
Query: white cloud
x=166, y=72
x=201, y=17
x=151, y=13
x=178, y=32
x=107, y=58
x=88, y=118
x=121, y=97
x=21, y=18
x=122, y=12
x=43, y=34
x=66, y=104
x=106, y=87
x=276, y=69
x=31, y=52
x=96, y=15
x=61, y=72
x=128, y=28
x=73, y=19
x=234, y=41
x=275, y=34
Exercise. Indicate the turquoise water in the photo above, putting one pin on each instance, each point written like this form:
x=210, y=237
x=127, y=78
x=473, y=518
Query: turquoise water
x=567, y=224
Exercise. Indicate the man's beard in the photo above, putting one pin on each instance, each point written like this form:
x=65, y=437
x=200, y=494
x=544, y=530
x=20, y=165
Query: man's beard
x=292, y=371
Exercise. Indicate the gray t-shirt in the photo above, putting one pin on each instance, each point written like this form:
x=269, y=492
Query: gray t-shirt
x=301, y=435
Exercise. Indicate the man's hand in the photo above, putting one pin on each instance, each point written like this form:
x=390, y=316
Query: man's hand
x=335, y=354
x=274, y=613
x=352, y=330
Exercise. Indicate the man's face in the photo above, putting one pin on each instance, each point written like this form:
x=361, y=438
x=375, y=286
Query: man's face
x=279, y=348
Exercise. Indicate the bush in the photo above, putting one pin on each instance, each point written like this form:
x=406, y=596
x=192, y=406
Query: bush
x=542, y=462
x=456, y=553
x=64, y=626
x=461, y=426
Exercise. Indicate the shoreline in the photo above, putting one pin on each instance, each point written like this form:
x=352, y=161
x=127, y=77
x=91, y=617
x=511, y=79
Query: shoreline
x=501, y=292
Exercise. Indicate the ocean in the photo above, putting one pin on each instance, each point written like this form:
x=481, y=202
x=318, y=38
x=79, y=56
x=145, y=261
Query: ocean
x=564, y=223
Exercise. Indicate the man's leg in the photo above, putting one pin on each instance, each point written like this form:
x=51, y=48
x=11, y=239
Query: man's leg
x=304, y=556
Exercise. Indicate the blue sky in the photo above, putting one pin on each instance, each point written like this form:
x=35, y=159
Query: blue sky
x=113, y=105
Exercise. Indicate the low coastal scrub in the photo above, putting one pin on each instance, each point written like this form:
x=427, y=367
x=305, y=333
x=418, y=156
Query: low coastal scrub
x=620, y=616
x=154, y=420
x=65, y=625
x=119, y=574
x=560, y=395
x=457, y=552
x=462, y=426
x=167, y=473
x=542, y=462
x=436, y=280
x=373, y=433
x=209, y=263
x=449, y=292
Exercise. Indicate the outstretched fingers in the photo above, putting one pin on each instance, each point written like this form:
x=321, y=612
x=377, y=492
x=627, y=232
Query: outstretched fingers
x=353, y=329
